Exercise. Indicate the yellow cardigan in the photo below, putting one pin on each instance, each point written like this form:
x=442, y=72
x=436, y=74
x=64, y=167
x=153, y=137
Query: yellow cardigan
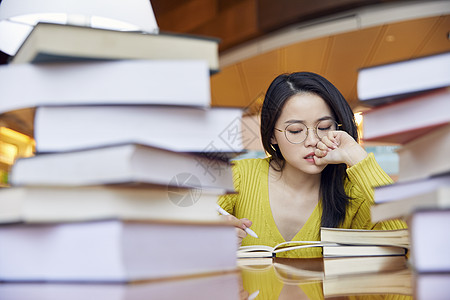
x=252, y=202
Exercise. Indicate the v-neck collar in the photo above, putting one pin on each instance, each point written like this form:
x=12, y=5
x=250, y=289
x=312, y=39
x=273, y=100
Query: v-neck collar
x=267, y=210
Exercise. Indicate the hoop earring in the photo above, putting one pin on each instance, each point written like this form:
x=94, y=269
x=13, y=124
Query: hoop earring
x=271, y=146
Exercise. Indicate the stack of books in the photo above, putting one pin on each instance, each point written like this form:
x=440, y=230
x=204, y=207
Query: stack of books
x=412, y=109
x=130, y=159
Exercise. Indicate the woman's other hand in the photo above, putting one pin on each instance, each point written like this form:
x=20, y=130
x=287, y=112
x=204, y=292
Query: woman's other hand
x=338, y=147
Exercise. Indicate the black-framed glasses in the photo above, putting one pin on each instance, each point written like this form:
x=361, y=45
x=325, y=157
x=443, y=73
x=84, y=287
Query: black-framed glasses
x=296, y=133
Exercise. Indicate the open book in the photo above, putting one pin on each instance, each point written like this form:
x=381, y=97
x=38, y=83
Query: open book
x=340, y=242
x=255, y=251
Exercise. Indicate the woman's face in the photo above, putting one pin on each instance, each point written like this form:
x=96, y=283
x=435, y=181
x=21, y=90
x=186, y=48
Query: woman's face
x=309, y=109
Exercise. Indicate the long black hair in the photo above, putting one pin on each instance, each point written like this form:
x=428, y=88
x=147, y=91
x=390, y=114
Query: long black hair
x=334, y=199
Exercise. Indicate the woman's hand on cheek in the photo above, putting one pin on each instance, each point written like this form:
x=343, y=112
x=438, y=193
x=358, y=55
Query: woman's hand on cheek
x=338, y=147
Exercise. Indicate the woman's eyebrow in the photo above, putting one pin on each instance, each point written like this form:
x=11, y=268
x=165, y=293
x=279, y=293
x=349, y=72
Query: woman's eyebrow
x=293, y=121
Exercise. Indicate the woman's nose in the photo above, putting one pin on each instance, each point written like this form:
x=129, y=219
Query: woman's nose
x=311, y=138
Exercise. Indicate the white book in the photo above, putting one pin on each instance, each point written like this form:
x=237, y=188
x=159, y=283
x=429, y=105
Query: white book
x=438, y=198
x=430, y=240
x=128, y=163
x=212, y=286
x=425, y=156
x=49, y=42
x=389, y=82
x=114, y=251
x=186, y=129
x=403, y=121
x=165, y=82
x=434, y=286
x=409, y=188
x=83, y=203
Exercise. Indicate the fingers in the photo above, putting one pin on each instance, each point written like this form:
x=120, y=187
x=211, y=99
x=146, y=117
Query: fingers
x=330, y=141
x=246, y=222
x=320, y=153
x=326, y=144
x=241, y=233
x=240, y=224
x=232, y=220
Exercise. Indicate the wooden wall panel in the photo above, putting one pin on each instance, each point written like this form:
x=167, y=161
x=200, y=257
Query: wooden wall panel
x=227, y=89
x=235, y=25
x=305, y=56
x=185, y=16
x=258, y=72
x=438, y=40
x=275, y=14
x=401, y=40
x=349, y=52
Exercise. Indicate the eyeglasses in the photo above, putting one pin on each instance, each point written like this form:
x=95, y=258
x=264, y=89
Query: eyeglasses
x=296, y=133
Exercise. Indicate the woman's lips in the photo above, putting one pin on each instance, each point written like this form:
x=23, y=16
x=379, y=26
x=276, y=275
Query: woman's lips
x=310, y=157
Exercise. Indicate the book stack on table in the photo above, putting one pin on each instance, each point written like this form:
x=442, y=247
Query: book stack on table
x=412, y=109
x=130, y=159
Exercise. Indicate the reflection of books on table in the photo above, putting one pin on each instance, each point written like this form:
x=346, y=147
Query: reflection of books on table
x=341, y=266
x=255, y=263
x=114, y=250
x=214, y=286
x=396, y=283
x=296, y=271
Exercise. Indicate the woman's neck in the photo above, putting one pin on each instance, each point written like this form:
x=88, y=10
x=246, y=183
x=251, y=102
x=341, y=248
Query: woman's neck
x=295, y=179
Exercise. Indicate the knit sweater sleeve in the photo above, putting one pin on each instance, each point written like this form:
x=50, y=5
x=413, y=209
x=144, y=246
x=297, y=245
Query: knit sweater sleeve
x=363, y=178
x=228, y=201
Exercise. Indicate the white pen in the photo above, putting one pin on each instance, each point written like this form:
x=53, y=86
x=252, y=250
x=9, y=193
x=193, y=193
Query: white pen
x=225, y=213
x=253, y=295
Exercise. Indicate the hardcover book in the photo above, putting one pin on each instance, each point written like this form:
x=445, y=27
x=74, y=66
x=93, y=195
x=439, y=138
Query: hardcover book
x=122, y=82
x=390, y=82
x=176, y=128
x=50, y=42
x=40, y=204
x=114, y=250
x=123, y=164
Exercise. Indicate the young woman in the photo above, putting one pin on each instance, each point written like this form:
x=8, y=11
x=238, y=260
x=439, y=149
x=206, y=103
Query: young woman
x=316, y=173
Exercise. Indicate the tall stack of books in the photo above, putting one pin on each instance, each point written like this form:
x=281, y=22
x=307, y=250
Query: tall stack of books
x=412, y=109
x=130, y=159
